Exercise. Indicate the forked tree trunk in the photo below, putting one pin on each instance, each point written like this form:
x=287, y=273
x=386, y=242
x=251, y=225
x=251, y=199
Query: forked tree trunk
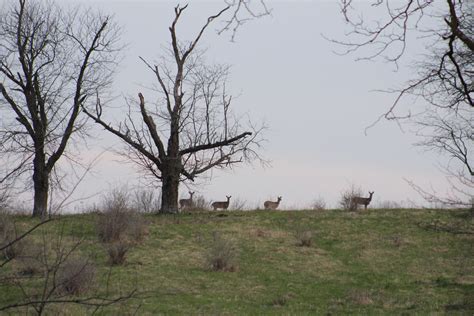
x=170, y=181
x=41, y=186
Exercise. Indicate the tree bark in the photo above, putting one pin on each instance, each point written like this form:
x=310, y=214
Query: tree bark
x=41, y=186
x=170, y=180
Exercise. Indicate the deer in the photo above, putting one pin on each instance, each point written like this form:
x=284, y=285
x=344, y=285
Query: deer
x=270, y=205
x=184, y=203
x=221, y=204
x=361, y=200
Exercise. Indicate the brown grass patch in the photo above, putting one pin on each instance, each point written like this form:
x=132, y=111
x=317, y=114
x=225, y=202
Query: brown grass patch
x=222, y=254
x=360, y=297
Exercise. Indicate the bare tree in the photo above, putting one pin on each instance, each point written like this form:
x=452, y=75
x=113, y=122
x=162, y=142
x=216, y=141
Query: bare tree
x=450, y=133
x=193, y=111
x=446, y=74
x=444, y=80
x=243, y=11
x=51, y=61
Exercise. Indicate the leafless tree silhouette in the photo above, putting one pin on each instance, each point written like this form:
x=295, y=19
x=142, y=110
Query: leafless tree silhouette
x=243, y=11
x=446, y=74
x=193, y=111
x=444, y=80
x=51, y=62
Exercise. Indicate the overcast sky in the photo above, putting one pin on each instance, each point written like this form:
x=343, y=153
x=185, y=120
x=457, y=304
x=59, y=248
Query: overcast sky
x=316, y=103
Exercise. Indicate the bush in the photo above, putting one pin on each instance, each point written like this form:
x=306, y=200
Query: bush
x=222, y=254
x=76, y=276
x=146, y=201
x=13, y=251
x=119, y=221
x=118, y=252
x=4, y=199
x=199, y=204
x=7, y=235
x=347, y=196
x=7, y=226
x=319, y=204
x=30, y=262
x=239, y=204
x=304, y=237
x=282, y=300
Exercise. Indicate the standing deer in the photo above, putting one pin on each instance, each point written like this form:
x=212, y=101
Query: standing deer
x=361, y=200
x=187, y=202
x=270, y=205
x=221, y=204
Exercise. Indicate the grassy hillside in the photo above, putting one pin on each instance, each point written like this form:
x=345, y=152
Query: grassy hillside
x=371, y=262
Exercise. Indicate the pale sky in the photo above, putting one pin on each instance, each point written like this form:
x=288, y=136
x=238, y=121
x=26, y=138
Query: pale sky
x=317, y=105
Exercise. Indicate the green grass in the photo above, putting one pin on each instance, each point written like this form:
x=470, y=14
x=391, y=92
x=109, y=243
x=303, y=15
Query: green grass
x=372, y=262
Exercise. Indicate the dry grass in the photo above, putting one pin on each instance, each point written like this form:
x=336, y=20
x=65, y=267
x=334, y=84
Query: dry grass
x=76, y=276
x=360, y=297
x=31, y=261
x=146, y=201
x=117, y=252
x=318, y=204
x=282, y=300
x=222, y=254
x=119, y=220
x=8, y=234
x=304, y=237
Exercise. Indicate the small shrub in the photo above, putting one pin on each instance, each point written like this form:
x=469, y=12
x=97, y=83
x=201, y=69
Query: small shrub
x=319, y=204
x=199, y=204
x=282, y=300
x=111, y=225
x=360, y=297
x=146, y=201
x=28, y=266
x=222, y=254
x=119, y=221
x=76, y=276
x=7, y=235
x=137, y=228
x=13, y=251
x=31, y=260
x=4, y=198
x=346, y=200
x=304, y=237
x=397, y=240
x=7, y=226
x=118, y=252
x=239, y=204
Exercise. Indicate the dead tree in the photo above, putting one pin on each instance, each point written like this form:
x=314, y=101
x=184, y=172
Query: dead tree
x=446, y=76
x=243, y=11
x=444, y=80
x=193, y=111
x=51, y=61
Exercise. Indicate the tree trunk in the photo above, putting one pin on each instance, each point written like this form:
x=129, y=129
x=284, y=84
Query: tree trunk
x=169, y=192
x=41, y=186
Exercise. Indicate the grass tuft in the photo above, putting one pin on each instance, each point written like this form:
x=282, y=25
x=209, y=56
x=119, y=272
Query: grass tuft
x=222, y=254
x=76, y=276
x=117, y=252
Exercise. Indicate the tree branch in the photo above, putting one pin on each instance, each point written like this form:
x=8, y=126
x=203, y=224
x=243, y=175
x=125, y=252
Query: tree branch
x=214, y=145
x=125, y=138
